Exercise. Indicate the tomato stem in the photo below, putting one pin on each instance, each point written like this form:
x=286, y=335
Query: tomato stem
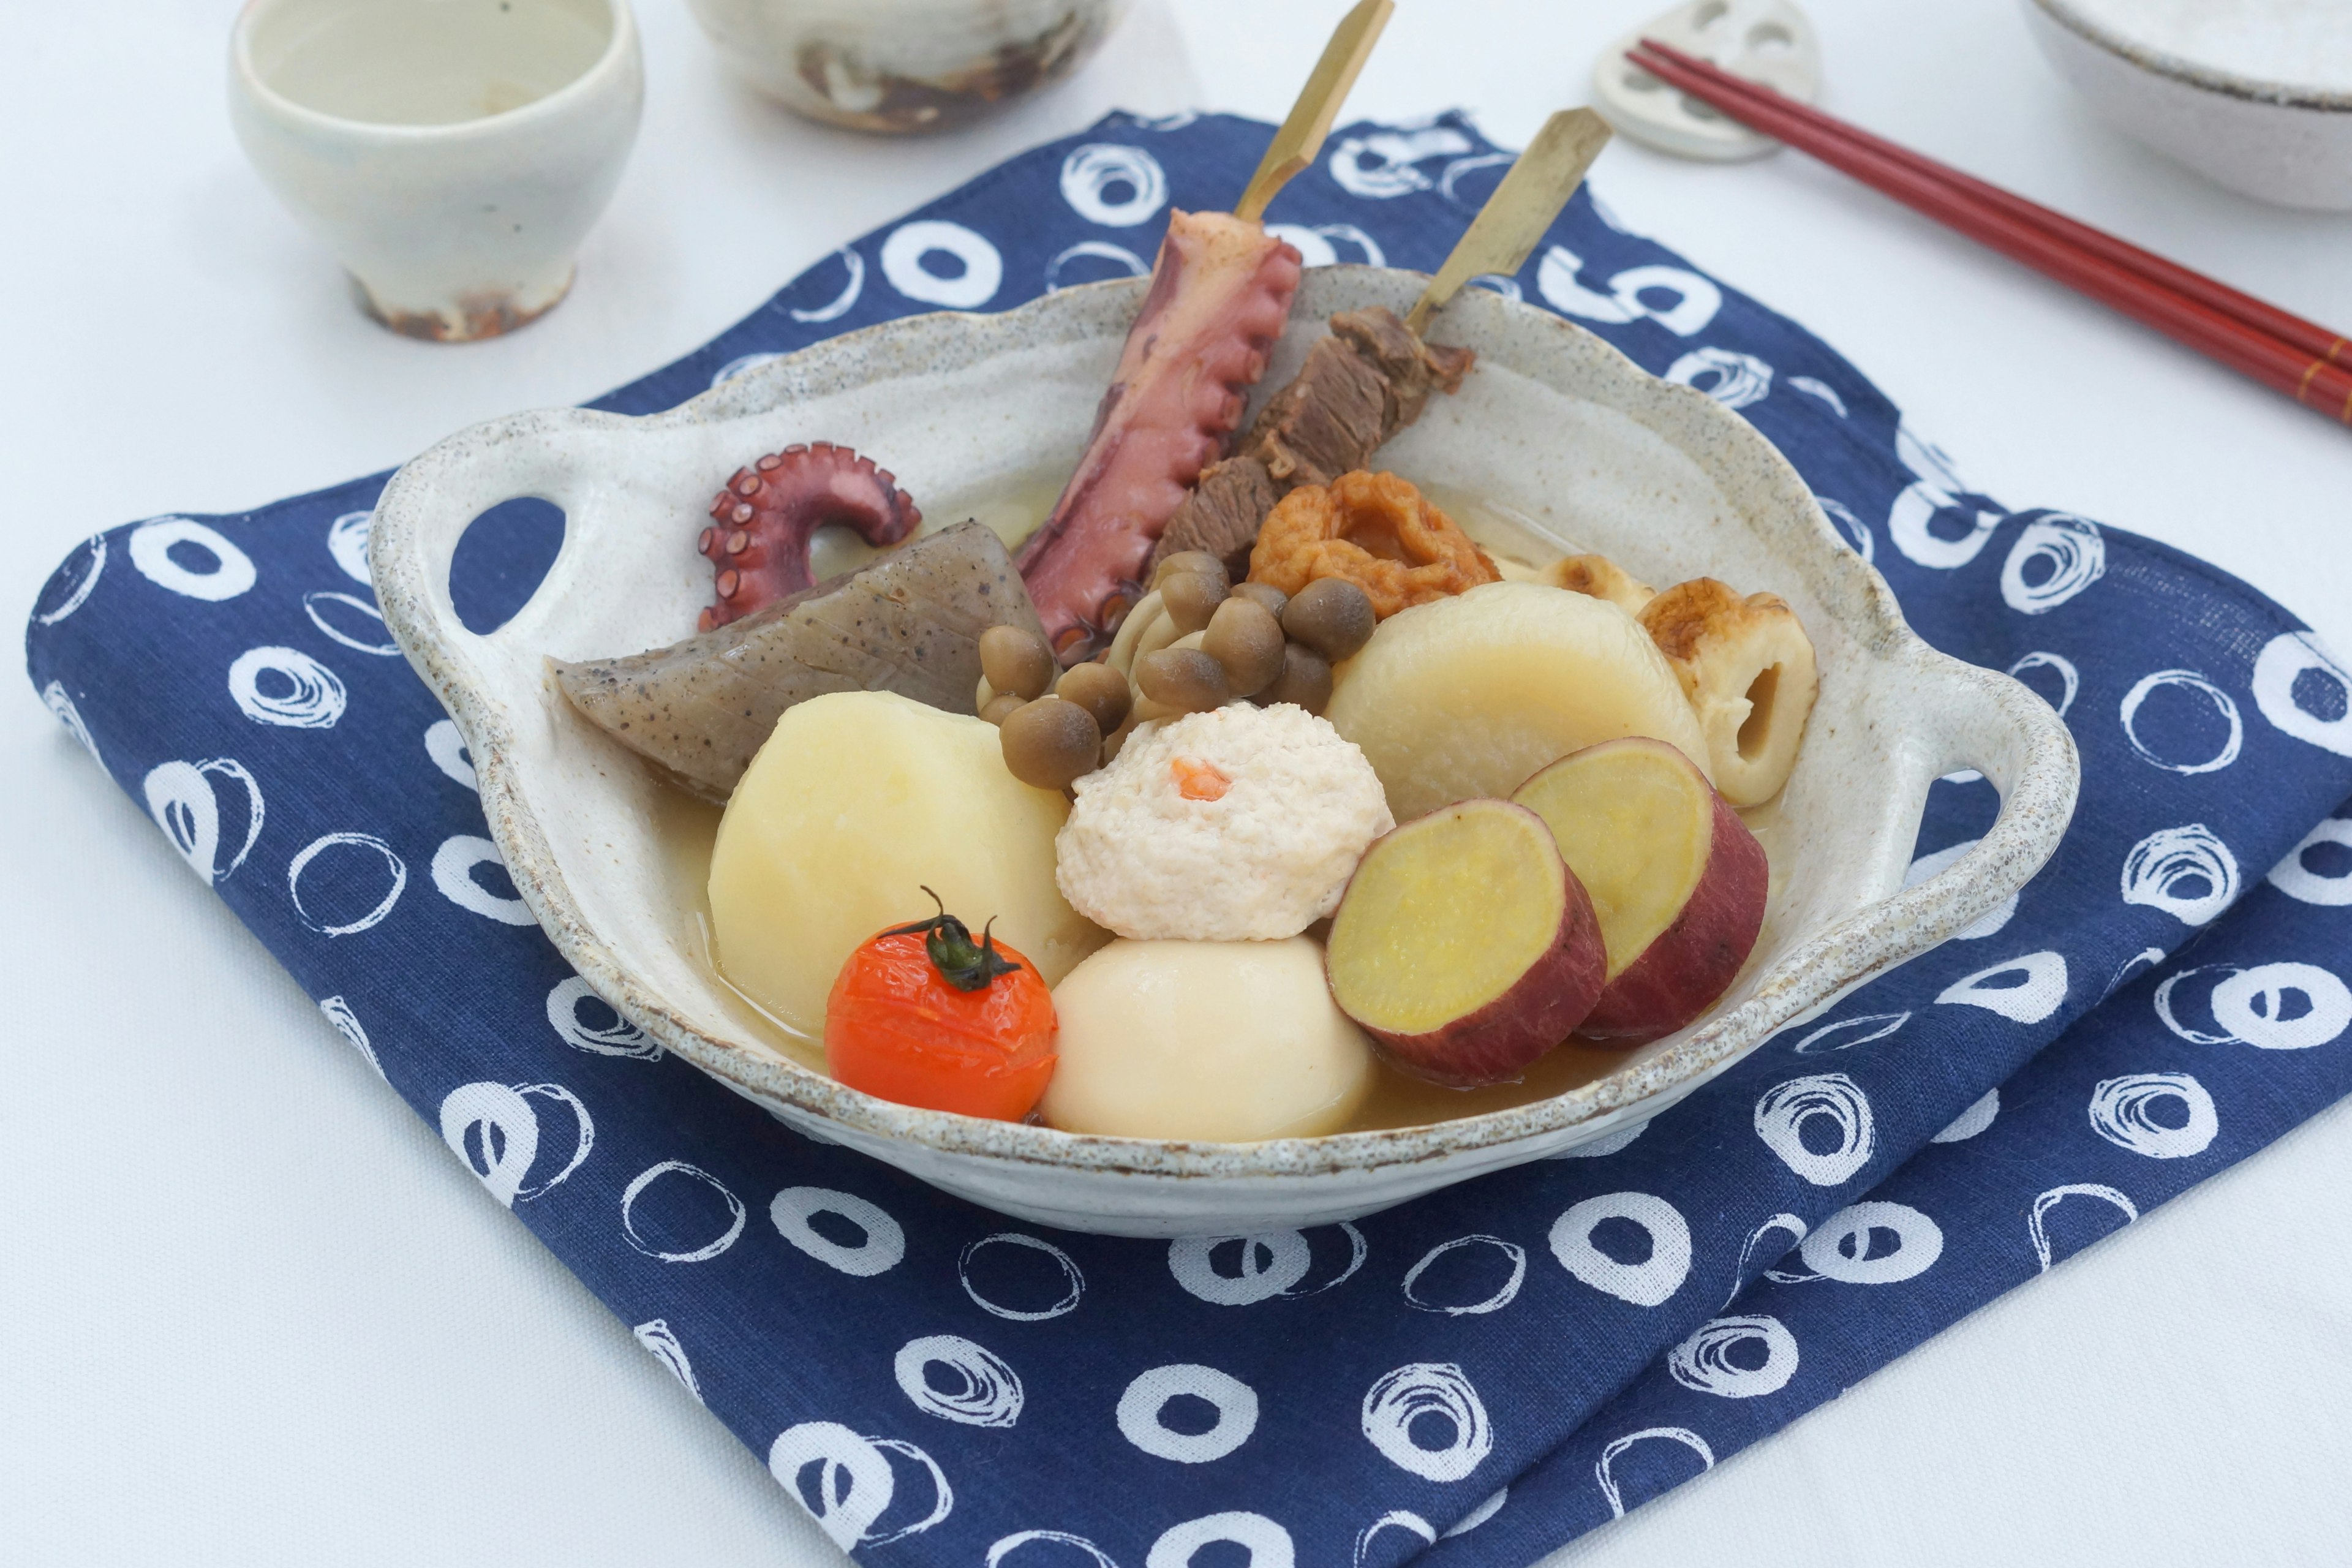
x=963, y=963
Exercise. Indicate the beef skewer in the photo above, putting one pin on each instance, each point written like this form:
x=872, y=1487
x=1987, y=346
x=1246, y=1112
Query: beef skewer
x=1220, y=290
x=1373, y=375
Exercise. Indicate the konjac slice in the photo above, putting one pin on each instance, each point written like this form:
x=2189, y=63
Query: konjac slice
x=1465, y=945
x=1676, y=880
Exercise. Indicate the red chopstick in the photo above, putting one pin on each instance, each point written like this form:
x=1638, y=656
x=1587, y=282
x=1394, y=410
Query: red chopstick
x=2284, y=351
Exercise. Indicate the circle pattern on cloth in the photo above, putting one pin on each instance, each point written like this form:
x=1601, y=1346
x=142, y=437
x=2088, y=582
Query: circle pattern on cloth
x=497, y=1120
x=1091, y=173
x=447, y=750
x=327, y=923
x=1147, y=1396
x=1703, y=1362
x=1118, y=255
x=313, y=698
x=1604, y=1467
x=1269, y=1264
x=2070, y=680
x=991, y=1394
x=620, y=1038
x=1073, y=1283
x=2120, y=1113
x=1734, y=380
x=853, y=285
x=1979, y=1116
x=2186, y=680
x=1267, y=1543
x=2025, y=990
x=79, y=587
x=2037, y=1229
x=347, y=541
x=453, y=875
x=1648, y=1283
x=2071, y=552
x=882, y=1248
x=1824, y=1099
x=2252, y=1004
x=1847, y=1032
x=1839, y=1248
x=1495, y=1301
x=152, y=544
x=909, y=244
x=855, y=1484
x=345, y=618
x=2188, y=872
x=1398, y=1400
x=1009, y=1544
x=700, y=1253
x=186, y=803
x=2293, y=876
x=2279, y=672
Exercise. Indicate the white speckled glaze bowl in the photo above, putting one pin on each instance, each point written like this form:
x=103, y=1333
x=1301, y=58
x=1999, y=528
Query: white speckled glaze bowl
x=1553, y=424
x=2283, y=141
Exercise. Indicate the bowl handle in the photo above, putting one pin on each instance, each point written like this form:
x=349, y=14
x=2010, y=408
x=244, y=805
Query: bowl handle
x=1980, y=718
x=430, y=503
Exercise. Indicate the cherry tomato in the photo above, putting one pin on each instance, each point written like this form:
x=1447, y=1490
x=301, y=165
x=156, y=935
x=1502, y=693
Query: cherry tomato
x=924, y=1016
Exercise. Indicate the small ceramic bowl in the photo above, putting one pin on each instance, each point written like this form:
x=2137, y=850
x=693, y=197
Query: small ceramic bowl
x=452, y=155
x=904, y=65
x=1553, y=425
x=2275, y=141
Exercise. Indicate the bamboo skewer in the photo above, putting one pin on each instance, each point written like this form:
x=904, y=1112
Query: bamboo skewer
x=2291, y=355
x=1515, y=217
x=1301, y=135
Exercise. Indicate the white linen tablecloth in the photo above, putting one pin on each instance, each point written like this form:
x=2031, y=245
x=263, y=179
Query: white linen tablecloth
x=256, y=1315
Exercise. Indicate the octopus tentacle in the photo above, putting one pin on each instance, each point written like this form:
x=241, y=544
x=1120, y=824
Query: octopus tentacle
x=762, y=521
x=1220, y=290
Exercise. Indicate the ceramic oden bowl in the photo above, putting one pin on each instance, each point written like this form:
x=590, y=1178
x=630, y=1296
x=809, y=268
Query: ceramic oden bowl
x=1553, y=423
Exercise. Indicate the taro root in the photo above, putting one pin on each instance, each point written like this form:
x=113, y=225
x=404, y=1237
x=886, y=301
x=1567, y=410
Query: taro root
x=909, y=622
x=1377, y=531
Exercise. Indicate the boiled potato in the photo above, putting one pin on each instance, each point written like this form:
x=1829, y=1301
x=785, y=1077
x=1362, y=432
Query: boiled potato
x=1467, y=697
x=857, y=801
x=1224, y=1041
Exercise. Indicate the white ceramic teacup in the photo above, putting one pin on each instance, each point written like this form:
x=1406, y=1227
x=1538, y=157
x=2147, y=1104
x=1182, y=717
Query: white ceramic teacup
x=452, y=153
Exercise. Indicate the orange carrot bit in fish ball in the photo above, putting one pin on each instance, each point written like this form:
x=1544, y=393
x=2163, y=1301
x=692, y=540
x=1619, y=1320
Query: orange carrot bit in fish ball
x=1199, y=781
x=922, y=1015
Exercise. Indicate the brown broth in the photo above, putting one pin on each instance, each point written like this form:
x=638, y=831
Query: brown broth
x=689, y=827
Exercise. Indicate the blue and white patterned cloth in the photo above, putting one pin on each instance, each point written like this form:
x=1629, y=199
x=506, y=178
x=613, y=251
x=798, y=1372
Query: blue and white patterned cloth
x=1475, y=1377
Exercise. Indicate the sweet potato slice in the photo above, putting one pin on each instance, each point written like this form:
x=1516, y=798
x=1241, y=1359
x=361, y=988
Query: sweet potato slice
x=1676, y=880
x=1465, y=945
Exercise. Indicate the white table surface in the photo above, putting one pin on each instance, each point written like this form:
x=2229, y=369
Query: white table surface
x=255, y=1314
